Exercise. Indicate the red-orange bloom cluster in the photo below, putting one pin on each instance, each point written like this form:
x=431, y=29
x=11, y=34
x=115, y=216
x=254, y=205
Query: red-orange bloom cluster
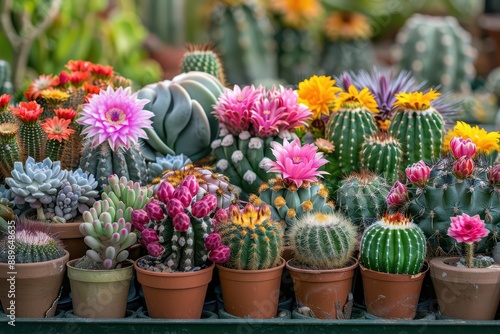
x=28, y=111
x=4, y=100
x=68, y=113
x=57, y=128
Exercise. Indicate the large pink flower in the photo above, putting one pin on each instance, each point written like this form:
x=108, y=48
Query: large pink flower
x=268, y=118
x=116, y=116
x=296, y=113
x=462, y=147
x=467, y=229
x=296, y=163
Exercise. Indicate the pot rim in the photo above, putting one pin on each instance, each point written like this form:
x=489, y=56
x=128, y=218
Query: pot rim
x=322, y=271
x=397, y=277
x=441, y=263
x=32, y=264
x=253, y=272
x=163, y=274
x=129, y=263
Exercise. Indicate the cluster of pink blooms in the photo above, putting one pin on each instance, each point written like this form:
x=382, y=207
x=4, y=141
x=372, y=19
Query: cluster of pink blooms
x=263, y=113
x=463, y=150
x=176, y=203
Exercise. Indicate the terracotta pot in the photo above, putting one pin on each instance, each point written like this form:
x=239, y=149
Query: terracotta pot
x=320, y=289
x=37, y=287
x=251, y=293
x=100, y=293
x=465, y=293
x=287, y=253
x=392, y=296
x=177, y=295
x=68, y=233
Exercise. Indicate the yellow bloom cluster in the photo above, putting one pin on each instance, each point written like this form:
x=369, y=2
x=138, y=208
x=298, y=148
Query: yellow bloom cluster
x=416, y=100
x=486, y=142
x=318, y=93
x=354, y=99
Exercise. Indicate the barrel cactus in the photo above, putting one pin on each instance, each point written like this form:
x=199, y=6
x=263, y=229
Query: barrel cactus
x=32, y=244
x=243, y=36
x=296, y=190
x=381, y=153
x=323, y=241
x=182, y=115
x=362, y=198
x=201, y=58
x=254, y=238
x=177, y=226
x=6, y=86
x=251, y=119
x=162, y=164
x=418, y=126
x=113, y=121
x=393, y=245
x=6, y=115
x=9, y=148
x=438, y=50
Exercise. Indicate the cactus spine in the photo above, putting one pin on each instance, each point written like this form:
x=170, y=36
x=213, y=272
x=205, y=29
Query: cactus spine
x=255, y=240
x=393, y=245
x=323, y=241
x=381, y=153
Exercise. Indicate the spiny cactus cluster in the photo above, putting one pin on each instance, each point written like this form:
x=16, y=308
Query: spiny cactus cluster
x=381, y=153
x=31, y=244
x=254, y=238
x=203, y=59
x=177, y=227
x=395, y=245
x=167, y=163
x=323, y=241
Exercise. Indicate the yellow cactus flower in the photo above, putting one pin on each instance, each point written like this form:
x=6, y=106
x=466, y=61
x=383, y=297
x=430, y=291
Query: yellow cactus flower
x=486, y=142
x=347, y=26
x=297, y=13
x=318, y=93
x=353, y=99
x=416, y=100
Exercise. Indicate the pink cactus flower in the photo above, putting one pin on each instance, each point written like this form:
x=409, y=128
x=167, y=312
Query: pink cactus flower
x=148, y=235
x=165, y=191
x=154, y=210
x=181, y=222
x=462, y=147
x=183, y=194
x=418, y=174
x=467, y=229
x=174, y=207
x=463, y=167
x=213, y=241
x=296, y=113
x=398, y=195
x=221, y=216
x=220, y=255
x=115, y=116
x=211, y=200
x=200, y=209
x=494, y=175
x=268, y=118
x=139, y=219
x=297, y=164
x=155, y=249
x=190, y=183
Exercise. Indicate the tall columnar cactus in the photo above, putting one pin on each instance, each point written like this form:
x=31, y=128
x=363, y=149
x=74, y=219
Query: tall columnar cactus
x=251, y=119
x=176, y=227
x=243, y=36
x=323, y=241
x=296, y=190
x=348, y=128
x=394, y=245
x=381, y=153
x=182, y=122
x=255, y=240
x=437, y=50
x=6, y=115
x=31, y=136
x=6, y=86
x=9, y=148
x=418, y=126
x=362, y=198
x=203, y=59
x=31, y=245
x=167, y=163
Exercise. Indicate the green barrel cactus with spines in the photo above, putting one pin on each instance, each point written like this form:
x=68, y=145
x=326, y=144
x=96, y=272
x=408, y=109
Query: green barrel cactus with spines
x=244, y=37
x=419, y=128
x=393, y=245
x=31, y=245
x=6, y=86
x=362, y=198
x=288, y=203
x=9, y=148
x=203, y=59
x=183, y=122
x=102, y=161
x=437, y=50
x=323, y=241
x=381, y=153
x=255, y=240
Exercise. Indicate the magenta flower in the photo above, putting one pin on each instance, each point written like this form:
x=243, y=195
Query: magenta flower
x=213, y=241
x=174, y=207
x=221, y=216
x=154, y=210
x=165, y=191
x=494, y=175
x=220, y=255
x=463, y=167
x=296, y=113
x=155, y=249
x=181, y=222
x=139, y=219
x=268, y=118
x=183, y=194
x=115, y=116
x=462, y=147
x=297, y=163
x=398, y=195
x=467, y=229
x=191, y=183
x=200, y=209
x=149, y=235
x=418, y=174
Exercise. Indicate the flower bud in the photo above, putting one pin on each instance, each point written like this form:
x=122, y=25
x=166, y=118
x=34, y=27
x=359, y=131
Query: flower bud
x=200, y=209
x=154, y=210
x=139, y=219
x=174, y=207
x=165, y=191
x=155, y=249
x=494, y=175
x=211, y=200
x=418, y=174
x=220, y=255
x=462, y=147
x=183, y=194
x=213, y=241
x=463, y=167
x=149, y=235
x=181, y=222
x=221, y=216
x=398, y=195
x=190, y=183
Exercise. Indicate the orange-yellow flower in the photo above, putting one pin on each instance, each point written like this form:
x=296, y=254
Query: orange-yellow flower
x=57, y=128
x=416, y=100
x=353, y=99
x=485, y=142
x=347, y=26
x=297, y=13
x=54, y=96
x=319, y=94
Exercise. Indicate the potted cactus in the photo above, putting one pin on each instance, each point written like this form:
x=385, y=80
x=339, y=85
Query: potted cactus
x=108, y=233
x=34, y=260
x=250, y=279
x=176, y=229
x=322, y=267
x=392, y=257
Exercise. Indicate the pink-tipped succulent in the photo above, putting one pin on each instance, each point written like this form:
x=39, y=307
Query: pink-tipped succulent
x=462, y=147
x=115, y=116
x=398, y=195
x=296, y=163
x=418, y=174
x=463, y=167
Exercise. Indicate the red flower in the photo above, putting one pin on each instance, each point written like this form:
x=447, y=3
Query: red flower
x=102, y=71
x=57, y=128
x=68, y=113
x=463, y=167
x=4, y=100
x=78, y=78
x=79, y=65
x=28, y=111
